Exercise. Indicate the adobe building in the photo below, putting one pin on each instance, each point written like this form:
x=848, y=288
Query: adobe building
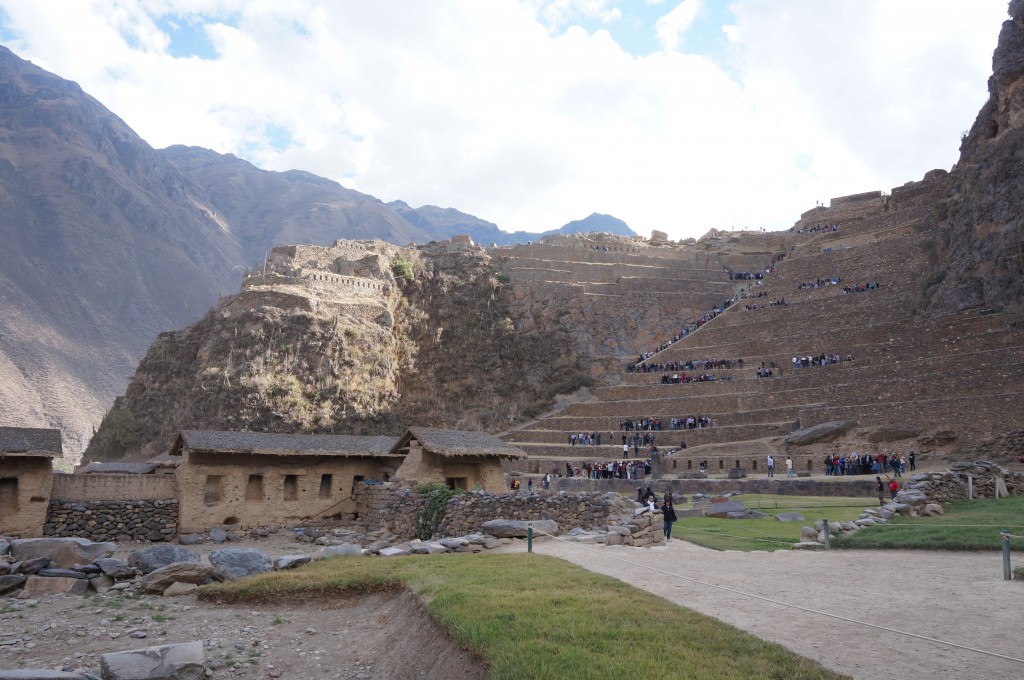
x=253, y=478
x=462, y=460
x=26, y=477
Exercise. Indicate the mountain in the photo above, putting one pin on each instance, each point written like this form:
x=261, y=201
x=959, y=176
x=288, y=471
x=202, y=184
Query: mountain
x=105, y=245
x=265, y=208
x=452, y=222
x=979, y=249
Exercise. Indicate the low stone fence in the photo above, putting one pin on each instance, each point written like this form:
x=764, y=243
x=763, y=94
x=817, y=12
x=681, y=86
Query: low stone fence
x=387, y=506
x=113, y=520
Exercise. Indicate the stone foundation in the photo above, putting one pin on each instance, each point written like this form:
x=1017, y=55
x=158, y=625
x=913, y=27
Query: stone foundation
x=117, y=520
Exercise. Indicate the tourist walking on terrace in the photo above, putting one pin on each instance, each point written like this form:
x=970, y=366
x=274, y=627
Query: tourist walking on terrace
x=771, y=466
x=789, y=467
x=669, y=514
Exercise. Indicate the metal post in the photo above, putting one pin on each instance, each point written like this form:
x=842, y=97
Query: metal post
x=824, y=527
x=1007, y=575
x=529, y=537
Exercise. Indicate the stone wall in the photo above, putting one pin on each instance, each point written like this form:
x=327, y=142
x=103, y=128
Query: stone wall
x=796, y=486
x=393, y=508
x=113, y=487
x=113, y=520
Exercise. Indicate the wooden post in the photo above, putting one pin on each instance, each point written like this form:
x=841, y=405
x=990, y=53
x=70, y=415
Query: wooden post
x=970, y=488
x=529, y=537
x=1007, y=574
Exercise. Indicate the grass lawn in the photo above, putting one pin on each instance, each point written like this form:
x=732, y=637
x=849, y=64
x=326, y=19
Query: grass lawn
x=983, y=518
x=533, y=616
x=767, y=534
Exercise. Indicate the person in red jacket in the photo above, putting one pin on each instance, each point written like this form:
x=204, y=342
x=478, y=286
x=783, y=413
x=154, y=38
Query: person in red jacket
x=894, y=486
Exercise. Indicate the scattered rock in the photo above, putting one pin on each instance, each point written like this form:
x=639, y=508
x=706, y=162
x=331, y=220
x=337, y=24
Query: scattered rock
x=39, y=674
x=65, y=573
x=292, y=561
x=159, y=580
x=190, y=539
x=178, y=588
x=63, y=552
x=514, y=528
x=337, y=551
x=232, y=563
x=31, y=566
x=790, y=517
x=36, y=586
x=218, y=535
x=933, y=510
x=825, y=432
x=115, y=568
x=11, y=582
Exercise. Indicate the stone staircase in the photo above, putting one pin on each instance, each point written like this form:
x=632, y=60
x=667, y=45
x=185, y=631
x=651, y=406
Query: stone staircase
x=954, y=379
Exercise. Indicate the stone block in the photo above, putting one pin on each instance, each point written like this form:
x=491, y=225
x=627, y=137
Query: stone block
x=790, y=517
x=11, y=582
x=232, y=563
x=722, y=510
x=39, y=674
x=933, y=510
x=808, y=545
x=37, y=586
x=151, y=559
x=395, y=551
x=168, y=662
x=177, y=589
x=291, y=561
x=63, y=552
x=159, y=580
x=115, y=568
x=66, y=573
x=338, y=551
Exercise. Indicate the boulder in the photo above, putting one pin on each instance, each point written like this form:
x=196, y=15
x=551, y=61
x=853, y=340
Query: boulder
x=723, y=509
x=5, y=567
x=790, y=517
x=394, y=551
x=933, y=510
x=101, y=583
x=11, y=582
x=115, y=568
x=514, y=528
x=218, y=535
x=292, y=561
x=808, y=534
x=825, y=432
x=151, y=559
x=63, y=552
x=168, y=662
x=338, y=550
x=885, y=513
x=37, y=586
x=739, y=514
x=32, y=566
x=190, y=539
x=158, y=580
x=232, y=563
x=177, y=589
x=5, y=545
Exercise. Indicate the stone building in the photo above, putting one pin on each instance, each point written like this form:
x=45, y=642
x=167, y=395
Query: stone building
x=253, y=478
x=26, y=477
x=462, y=460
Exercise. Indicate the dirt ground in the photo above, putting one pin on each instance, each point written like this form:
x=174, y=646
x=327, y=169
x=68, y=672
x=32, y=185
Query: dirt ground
x=958, y=597
x=375, y=637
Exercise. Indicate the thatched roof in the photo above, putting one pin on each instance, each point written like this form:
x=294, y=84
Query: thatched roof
x=274, y=444
x=456, y=443
x=30, y=441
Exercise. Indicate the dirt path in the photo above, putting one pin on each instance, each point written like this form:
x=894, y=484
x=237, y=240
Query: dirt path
x=960, y=597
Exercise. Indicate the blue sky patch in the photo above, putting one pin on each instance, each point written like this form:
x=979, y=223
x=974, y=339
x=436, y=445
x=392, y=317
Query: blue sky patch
x=188, y=36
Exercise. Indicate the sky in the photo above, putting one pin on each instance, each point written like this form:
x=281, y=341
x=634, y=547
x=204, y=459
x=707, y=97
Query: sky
x=679, y=116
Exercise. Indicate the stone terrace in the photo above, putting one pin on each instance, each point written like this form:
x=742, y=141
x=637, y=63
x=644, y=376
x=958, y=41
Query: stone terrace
x=961, y=373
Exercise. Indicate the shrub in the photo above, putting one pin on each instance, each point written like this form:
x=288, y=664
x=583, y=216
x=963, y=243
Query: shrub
x=402, y=269
x=428, y=519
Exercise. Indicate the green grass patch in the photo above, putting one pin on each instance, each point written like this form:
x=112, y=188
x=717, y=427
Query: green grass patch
x=767, y=533
x=983, y=520
x=533, y=616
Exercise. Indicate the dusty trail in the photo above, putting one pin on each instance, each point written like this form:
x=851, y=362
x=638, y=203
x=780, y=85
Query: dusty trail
x=959, y=597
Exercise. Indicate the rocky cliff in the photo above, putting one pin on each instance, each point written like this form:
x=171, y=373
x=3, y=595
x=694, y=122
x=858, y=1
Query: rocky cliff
x=359, y=337
x=980, y=247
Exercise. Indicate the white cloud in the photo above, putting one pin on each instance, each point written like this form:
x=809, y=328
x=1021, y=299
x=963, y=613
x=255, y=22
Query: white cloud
x=509, y=111
x=671, y=27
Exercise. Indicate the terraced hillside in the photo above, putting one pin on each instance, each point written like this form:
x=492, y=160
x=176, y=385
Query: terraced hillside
x=932, y=384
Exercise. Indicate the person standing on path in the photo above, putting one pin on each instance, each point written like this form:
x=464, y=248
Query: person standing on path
x=668, y=513
x=789, y=467
x=894, y=488
x=771, y=466
x=913, y=461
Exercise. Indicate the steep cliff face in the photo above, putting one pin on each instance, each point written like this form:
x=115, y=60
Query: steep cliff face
x=980, y=258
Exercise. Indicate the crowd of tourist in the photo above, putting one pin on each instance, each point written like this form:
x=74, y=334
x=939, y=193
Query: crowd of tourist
x=781, y=302
x=818, y=228
x=692, y=365
x=820, y=360
x=868, y=464
x=588, y=439
x=819, y=283
x=678, y=378
x=861, y=287
x=654, y=424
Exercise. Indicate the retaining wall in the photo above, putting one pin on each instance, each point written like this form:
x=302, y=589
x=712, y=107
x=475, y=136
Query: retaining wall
x=113, y=520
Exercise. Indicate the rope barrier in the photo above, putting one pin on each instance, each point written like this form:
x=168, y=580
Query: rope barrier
x=745, y=538
x=792, y=606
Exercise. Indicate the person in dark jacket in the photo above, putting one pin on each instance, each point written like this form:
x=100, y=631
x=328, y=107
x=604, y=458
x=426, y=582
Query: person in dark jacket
x=669, y=514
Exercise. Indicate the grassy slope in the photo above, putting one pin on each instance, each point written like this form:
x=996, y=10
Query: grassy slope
x=767, y=534
x=939, y=533
x=531, y=616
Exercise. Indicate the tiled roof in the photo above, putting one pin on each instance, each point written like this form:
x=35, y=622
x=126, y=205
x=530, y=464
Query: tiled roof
x=276, y=444
x=30, y=441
